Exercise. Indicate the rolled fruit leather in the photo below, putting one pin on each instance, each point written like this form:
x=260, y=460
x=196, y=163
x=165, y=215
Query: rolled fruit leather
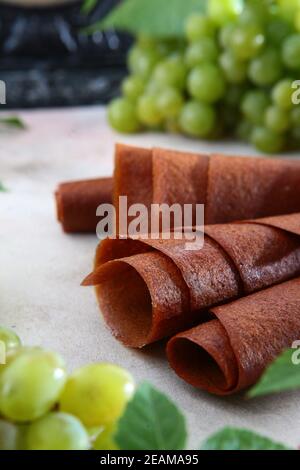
x=151, y=289
x=77, y=202
x=231, y=188
x=230, y=352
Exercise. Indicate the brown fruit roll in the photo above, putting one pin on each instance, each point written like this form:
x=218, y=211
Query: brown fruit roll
x=231, y=188
x=77, y=202
x=230, y=352
x=151, y=289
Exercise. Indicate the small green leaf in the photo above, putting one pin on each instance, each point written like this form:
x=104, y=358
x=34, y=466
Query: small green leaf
x=89, y=5
x=151, y=422
x=2, y=188
x=155, y=18
x=282, y=375
x=240, y=439
x=13, y=121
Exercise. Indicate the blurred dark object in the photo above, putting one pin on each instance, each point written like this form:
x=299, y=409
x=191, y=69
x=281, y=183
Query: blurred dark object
x=46, y=59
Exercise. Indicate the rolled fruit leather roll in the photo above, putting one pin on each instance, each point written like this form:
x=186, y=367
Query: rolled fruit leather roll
x=230, y=352
x=77, y=202
x=231, y=188
x=150, y=289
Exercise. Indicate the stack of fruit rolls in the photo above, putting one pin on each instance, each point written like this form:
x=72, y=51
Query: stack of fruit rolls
x=151, y=289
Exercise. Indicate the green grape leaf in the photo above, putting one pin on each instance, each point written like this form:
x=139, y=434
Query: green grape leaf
x=282, y=375
x=240, y=439
x=155, y=18
x=2, y=188
x=13, y=121
x=151, y=422
x=89, y=5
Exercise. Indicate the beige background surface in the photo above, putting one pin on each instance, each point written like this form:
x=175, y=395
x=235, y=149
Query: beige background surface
x=41, y=268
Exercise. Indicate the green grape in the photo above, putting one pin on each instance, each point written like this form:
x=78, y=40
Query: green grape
x=277, y=119
x=94, y=432
x=169, y=46
x=197, y=119
x=206, y=83
x=205, y=50
x=291, y=51
x=277, y=30
x=255, y=12
x=254, y=105
x=133, y=87
x=22, y=436
x=97, y=394
x=297, y=21
x=282, y=94
x=30, y=383
x=225, y=35
x=223, y=11
x=8, y=436
x=234, y=96
x=295, y=116
x=170, y=72
x=266, y=140
x=147, y=110
x=198, y=26
x=105, y=439
x=234, y=70
x=141, y=61
x=122, y=115
x=153, y=88
x=266, y=69
x=229, y=116
x=169, y=102
x=288, y=8
x=144, y=41
x=57, y=431
x=9, y=338
x=244, y=130
x=246, y=41
x=166, y=48
x=153, y=47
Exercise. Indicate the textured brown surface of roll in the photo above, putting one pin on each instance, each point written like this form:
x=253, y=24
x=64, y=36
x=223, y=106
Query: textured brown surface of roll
x=206, y=277
x=242, y=188
x=170, y=301
x=77, y=202
x=132, y=177
x=246, y=336
x=263, y=255
x=203, y=357
x=231, y=188
x=208, y=272
x=143, y=298
x=236, y=259
x=289, y=223
x=179, y=177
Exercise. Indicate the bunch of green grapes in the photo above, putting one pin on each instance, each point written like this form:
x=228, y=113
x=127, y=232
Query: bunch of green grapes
x=232, y=76
x=41, y=408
